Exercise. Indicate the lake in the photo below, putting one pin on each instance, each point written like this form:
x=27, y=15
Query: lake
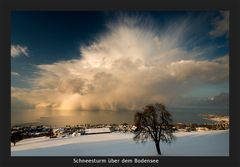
x=194, y=115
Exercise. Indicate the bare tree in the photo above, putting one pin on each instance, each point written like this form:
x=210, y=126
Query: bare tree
x=16, y=137
x=154, y=122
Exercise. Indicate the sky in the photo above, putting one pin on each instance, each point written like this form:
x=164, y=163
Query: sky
x=103, y=66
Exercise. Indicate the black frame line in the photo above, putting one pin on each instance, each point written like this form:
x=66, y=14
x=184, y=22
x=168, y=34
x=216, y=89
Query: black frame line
x=6, y=6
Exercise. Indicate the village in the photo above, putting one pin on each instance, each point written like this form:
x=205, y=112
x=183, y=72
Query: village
x=23, y=132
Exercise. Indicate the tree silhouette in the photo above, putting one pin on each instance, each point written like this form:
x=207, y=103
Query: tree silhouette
x=15, y=137
x=154, y=122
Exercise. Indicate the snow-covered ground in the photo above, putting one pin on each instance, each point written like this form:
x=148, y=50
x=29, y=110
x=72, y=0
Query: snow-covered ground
x=205, y=143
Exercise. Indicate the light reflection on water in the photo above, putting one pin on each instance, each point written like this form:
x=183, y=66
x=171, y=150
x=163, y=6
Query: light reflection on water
x=183, y=115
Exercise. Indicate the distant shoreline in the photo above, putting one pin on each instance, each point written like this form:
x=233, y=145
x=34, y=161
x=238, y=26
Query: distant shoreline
x=214, y=118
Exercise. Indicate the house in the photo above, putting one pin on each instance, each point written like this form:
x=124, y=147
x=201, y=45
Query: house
x=57, y=132
x=97, y=131
x=202, y=129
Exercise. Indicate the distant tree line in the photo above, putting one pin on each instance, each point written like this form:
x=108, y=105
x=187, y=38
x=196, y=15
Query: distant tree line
x=193, y=126
x=27, y=132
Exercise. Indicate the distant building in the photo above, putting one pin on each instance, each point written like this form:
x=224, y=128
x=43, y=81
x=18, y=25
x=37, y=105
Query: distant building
x=57, y=132
x=202, y=129
x=97, y=131
x=133, y=128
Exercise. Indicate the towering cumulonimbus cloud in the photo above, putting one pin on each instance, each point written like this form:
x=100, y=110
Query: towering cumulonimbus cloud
x=131, y=64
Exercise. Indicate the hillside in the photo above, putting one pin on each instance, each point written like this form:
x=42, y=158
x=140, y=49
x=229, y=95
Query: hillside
x=206, y=143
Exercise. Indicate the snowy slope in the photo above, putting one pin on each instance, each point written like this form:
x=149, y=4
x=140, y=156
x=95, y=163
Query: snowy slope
x=207, y=143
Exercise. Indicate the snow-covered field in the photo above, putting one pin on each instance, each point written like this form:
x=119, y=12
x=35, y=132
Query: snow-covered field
x=205, y=143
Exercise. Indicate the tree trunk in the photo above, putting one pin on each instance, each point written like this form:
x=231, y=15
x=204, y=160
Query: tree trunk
x=158, y=147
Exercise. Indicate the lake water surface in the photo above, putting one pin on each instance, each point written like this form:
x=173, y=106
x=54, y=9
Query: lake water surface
x=195, y=115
